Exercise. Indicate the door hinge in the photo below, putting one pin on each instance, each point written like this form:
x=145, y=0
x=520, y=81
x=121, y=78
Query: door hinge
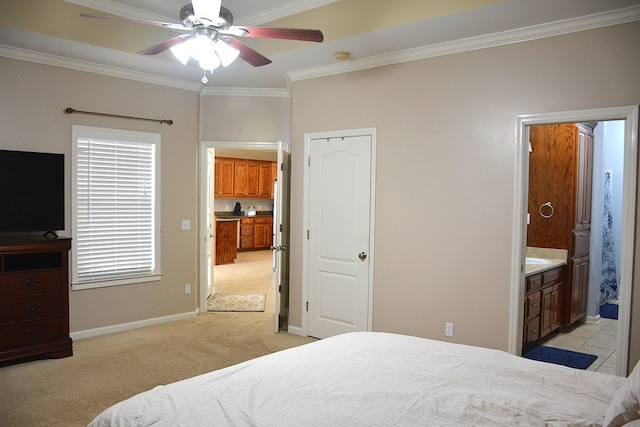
x=281, y=166
x=307, y=305
x=280, y=227
x=309, y=161
x=280, y=288
x=307, y=234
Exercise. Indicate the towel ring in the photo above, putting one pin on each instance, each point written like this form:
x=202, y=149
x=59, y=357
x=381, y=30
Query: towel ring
x=548, y=212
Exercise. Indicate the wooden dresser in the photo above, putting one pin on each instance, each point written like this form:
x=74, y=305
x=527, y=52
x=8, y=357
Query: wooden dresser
x=34, y=298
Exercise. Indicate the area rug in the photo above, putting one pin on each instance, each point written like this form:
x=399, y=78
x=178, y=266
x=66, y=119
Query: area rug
x=218, y=302
x=572, y=359
x=609, y=311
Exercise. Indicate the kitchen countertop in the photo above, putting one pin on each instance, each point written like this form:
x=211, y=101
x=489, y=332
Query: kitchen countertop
x=227, y=216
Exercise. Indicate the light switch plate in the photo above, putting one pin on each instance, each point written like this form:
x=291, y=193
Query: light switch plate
x=186, y=224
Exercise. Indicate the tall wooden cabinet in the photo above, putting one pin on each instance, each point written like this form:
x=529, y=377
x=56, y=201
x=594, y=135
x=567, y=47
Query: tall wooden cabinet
x=560, y=174
x=34, y=298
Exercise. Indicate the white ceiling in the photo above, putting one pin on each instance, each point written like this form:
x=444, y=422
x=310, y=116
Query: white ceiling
x=503, y=22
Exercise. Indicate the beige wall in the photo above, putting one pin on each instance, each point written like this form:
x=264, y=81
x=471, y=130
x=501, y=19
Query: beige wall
x=446, y=138
x=245, y=118
x=31, y=107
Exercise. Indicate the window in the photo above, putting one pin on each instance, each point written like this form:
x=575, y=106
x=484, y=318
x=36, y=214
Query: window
x=115, y=207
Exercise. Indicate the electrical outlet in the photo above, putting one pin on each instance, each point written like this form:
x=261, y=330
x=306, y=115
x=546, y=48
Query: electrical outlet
x=448, y=329
x=187, y=288
x=186, y=224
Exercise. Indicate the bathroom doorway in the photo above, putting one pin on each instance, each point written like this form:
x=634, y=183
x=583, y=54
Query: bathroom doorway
x=630, y=117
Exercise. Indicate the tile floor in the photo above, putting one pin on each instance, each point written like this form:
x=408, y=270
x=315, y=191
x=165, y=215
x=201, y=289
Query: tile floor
x=599, y=339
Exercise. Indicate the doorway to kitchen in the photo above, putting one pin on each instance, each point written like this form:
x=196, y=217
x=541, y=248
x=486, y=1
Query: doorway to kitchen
x=524, y=123
x=244, y=268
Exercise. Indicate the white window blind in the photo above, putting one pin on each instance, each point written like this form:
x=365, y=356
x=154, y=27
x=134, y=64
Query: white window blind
x=116, y=226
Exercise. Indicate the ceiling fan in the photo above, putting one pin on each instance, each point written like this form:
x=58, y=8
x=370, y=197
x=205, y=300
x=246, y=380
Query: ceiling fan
x=211, y=36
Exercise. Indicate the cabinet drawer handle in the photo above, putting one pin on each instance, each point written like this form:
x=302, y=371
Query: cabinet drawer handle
x=34, y=333
x=536, y=305
x=33, y=309
x=535, y=331
x=32, y=284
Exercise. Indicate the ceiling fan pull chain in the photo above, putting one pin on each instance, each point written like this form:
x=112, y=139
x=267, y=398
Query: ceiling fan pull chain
x=204, y=78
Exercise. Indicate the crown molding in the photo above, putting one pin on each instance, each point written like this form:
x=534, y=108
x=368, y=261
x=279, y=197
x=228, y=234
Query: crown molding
x=246, y=91
x=91, y=67
x=573, y=25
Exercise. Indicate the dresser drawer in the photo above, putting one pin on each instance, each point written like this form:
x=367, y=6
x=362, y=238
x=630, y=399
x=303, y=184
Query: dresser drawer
x=30, y=283
x=30, y=308
x=260, y=220
x=32, y=333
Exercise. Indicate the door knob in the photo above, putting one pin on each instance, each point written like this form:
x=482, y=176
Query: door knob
x=362, y=256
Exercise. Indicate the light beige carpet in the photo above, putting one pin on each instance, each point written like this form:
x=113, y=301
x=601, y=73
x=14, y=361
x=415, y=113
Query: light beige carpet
x=107, y=369
x=236, y=302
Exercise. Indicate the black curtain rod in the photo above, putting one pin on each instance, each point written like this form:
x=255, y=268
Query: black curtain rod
x=70, y=110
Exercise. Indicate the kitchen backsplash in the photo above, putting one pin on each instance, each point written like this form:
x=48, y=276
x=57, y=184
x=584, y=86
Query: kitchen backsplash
x=227, y=204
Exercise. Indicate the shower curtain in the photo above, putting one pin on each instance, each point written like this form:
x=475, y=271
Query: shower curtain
x=608, y=274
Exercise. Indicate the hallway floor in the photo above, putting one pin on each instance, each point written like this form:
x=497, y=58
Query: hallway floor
x=251, y=273
x=598, y=339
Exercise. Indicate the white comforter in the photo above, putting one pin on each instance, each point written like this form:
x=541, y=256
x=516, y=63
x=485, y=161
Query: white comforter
x=367, y=379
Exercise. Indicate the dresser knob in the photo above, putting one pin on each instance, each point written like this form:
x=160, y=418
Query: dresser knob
x=33, y=309
x=32, y=284
x=34, y=333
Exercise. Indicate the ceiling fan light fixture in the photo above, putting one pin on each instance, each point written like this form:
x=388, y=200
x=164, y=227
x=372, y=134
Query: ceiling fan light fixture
x=226, y=53
x=182, y=51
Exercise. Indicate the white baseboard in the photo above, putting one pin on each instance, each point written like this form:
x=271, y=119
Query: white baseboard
x=593, y=319
x=88, y=333
x=295, y=330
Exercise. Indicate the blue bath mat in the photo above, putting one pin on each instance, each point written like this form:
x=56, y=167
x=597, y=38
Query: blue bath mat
x=572, y=359
x=609, y=311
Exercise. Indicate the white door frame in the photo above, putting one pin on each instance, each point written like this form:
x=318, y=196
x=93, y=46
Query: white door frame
x=371, y=132
x=521, y=184
x=202, y=207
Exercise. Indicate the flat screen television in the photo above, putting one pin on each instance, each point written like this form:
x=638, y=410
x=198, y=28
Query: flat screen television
x=31, y=192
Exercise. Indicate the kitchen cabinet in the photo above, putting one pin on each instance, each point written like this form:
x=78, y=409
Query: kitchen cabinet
x=246, y=233
x=265, y=182
x=226, y=241
x=34, y=299
x=256, y=232
x=560, y=172
x=542, y=305
x=223, y=177
x=245, y=177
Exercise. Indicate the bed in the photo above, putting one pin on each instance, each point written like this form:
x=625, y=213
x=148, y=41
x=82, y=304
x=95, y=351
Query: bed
x=382, y=379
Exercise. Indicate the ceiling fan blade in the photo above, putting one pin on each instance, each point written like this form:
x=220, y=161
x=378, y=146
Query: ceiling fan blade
x=246, y=53
x=161, y=47
x=209, y=9
x=169, y=25
x=276, y=33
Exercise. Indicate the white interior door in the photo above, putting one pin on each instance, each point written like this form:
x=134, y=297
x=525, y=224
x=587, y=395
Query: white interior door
x=279, y=242
x=339, y=240
x=210, y=236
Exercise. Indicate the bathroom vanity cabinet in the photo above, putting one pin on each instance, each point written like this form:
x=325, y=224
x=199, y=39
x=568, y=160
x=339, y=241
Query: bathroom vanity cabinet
x=543, y=304
x=560, y=173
